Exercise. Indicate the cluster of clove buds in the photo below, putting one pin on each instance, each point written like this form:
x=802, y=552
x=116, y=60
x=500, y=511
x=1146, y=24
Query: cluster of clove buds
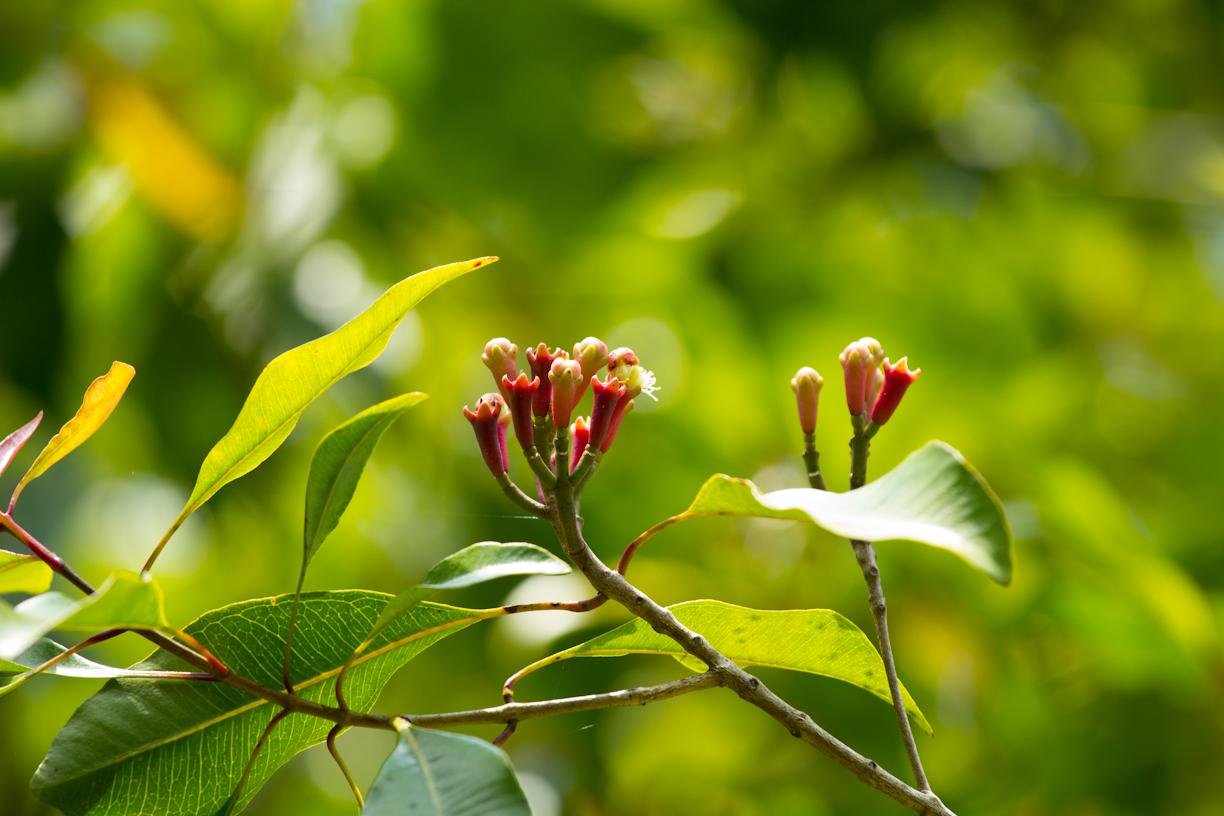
x=874, y=386
x=543, y=399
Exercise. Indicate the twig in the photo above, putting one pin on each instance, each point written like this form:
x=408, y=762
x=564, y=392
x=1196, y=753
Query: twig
x=343, y=766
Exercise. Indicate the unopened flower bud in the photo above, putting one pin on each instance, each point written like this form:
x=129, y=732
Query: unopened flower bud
x=580, y=433
x=622, y=409
x=897, y=379
x=874, y=383
x=873, y=348
x=541, y=360
x=592, y=354
x=490, y=432
x=621, y=358
x=857, y=363
x=806, y=384
x=500, y=357
x=519, y=395
x=608, y=394
x=566, y=379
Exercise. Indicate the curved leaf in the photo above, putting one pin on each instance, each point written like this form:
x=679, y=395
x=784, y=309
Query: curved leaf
x=15, y=672
x=816, y=641
x=124, y=601
x=337, y=466
x=14, y=441
x=934, y=497
x=23, y=573
x=474, y=564
x=178, y=747
x=435, y=773
x=101, y=397
x=295, y=379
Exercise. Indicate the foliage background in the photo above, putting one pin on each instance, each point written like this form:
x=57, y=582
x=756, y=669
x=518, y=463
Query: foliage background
x=1024, y=197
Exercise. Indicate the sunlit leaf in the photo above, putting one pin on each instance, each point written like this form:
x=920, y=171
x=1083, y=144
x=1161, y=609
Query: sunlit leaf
x=178, y=747
x=338, y=464
x=934, y=497
x=124, y=601
x=23, y=573
x=435, y=773
x=14, y=441
x=298, y=377
x=474, y=564
x=101, y=397
x=816, y=641
x=15, y=672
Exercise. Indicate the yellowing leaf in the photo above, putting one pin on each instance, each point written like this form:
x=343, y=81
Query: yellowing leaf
x=100, y=399
x=23, y=573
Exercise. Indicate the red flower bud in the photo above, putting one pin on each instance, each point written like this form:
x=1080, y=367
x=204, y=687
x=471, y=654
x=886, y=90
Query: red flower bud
x=621, y=357
x=806, y=384
x=897, y=379
x=490, y=432
x=500, y=356
x=608, y=394
x=566, y=379
x=623, y=407
x=592, y=354
x=857, y=362
x=519, y=395
x=541, y=360
x=580, y=433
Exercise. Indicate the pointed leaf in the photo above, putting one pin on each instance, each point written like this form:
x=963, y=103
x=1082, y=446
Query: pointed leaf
x=934, y=497
x=101, y=397
x=176, y=747
x=435, y=773
x=816, y=641
x=337, y=466
x=298, y=377
x=14, y=441
x=124, y=601
x=23, y=573
x=15, y=672
x=474, y=564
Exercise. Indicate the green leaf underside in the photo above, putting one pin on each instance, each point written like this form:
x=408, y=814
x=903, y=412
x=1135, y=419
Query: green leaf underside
x=124, y=601
x=435, y=773
x=23, y=573
x=815, y=641
x=338, y=463
x=296, y=378
x=934, y=497
x=13, y=672
x=474, y=564
x=178, y=747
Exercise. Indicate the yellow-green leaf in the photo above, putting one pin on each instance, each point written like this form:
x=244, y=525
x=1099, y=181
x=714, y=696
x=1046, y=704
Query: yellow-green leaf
x=295, y=379
x=100, y=399
x=23, y=573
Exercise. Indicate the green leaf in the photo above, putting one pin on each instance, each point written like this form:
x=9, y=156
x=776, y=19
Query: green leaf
x=23, y=573
x=14, y=441
x=435, y=773
x=124, y=601
x=474, y=564
x=100, y=399
x=934, y=497
x=295, y=379
x=15, y=672
x=178, y=747
x=816, y=641
x=338, y=464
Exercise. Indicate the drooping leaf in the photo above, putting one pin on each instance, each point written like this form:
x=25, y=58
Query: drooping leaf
x=101, y=397
x=23, y=573
x=474, y=564
x=123, y=601
x=15, y=672
x=295, y=379
x=178, y=747
x=14, y=441
x=816, y=641
x=934, y=497
x=337, y=466
x=435, y=773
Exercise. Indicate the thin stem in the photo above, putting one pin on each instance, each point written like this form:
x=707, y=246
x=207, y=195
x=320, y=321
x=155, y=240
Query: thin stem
x=586, y=468
x=541, y=469
x=864, y=553
x=519, y=497
x=344, y=769
x=746, y=686
x=811, y=459
x=232, y=802
x=287, y=664
x=57, y=564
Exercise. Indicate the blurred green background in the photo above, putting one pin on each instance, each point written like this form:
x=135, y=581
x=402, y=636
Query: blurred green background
x=1025, y=197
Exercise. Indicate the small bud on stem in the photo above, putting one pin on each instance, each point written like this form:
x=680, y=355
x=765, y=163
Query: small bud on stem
x=806, y=384
x=486, y=421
